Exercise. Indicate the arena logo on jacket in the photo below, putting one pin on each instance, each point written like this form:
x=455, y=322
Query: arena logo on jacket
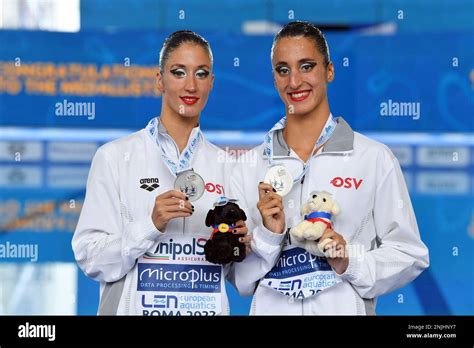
x=149, y=184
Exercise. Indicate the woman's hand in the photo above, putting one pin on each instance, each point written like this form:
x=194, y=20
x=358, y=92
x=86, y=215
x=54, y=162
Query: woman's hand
x=241, y=229
x=170, y=205
x=270, y=205
x=336, y=251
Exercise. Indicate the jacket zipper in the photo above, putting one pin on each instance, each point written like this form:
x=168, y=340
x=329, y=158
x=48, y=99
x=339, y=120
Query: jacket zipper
x=177, y=151
x=317, y=155
x=301, y=202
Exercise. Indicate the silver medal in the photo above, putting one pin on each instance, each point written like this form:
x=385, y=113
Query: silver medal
x=280, y=178
x=191, y=184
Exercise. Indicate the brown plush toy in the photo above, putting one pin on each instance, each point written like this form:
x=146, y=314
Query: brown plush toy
x=223, y=246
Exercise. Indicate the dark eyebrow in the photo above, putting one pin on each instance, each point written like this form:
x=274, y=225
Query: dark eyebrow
x=307, y=60
x=184, y=66
x=303, y=60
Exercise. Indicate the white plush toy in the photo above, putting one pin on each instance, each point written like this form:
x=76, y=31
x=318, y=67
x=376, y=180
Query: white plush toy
x=317, y=212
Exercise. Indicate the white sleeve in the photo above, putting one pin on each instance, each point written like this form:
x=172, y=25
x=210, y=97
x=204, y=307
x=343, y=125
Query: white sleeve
x=266, y=248
x=105, y=246
x=266, y=245
x=401, y=255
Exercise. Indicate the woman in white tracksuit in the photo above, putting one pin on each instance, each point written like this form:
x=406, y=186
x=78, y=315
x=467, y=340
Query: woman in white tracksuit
x=138, y=233
x=372, y=246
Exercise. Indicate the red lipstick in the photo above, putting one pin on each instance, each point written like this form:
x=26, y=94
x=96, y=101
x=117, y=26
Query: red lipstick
x=189, y=100
x=297, y=96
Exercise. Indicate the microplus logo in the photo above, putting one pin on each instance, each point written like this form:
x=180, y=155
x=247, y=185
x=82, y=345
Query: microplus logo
x=37, y=331
x=393, y=108
x=179, y=278
x=75, y=109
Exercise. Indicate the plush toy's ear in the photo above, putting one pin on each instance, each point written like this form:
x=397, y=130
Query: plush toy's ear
x=305, y=209
x=210, y=218
x=242, y=215
x=335, y=209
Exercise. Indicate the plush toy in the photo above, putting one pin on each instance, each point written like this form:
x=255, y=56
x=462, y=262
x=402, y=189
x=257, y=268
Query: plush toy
x=318, y=212
x=223, y=246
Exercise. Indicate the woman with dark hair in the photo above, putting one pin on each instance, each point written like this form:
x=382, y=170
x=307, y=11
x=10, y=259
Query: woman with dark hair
x=142, y=228
x=309, y=160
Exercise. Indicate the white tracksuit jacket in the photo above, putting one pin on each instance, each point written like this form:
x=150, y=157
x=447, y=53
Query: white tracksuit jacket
x=141, y=270
x=376, y=215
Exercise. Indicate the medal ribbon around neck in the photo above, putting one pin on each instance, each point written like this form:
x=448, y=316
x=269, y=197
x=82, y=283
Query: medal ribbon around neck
x=326, y=133
x=185, y=157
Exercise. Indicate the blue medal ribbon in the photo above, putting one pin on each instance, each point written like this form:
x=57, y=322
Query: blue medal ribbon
x=326, y=133
x=185, y=156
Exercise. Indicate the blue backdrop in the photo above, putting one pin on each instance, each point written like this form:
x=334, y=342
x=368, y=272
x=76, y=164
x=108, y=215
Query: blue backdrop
x=430, y=69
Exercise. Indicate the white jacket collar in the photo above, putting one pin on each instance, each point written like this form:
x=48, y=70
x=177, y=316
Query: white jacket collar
x=342, y=140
